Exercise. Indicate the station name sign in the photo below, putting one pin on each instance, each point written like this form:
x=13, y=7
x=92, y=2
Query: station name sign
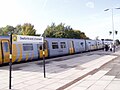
x=22, y=38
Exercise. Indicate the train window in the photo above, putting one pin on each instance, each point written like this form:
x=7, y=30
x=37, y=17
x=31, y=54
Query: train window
x=62, y=44
x=81, y=44
x=45, y=45
x=98, y=43
x=55, y=45
x=27, y=47
x=5, y=47
x=89, y=42
x=40, y=47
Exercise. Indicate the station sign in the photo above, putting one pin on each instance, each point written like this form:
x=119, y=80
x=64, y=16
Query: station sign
x=27, y=39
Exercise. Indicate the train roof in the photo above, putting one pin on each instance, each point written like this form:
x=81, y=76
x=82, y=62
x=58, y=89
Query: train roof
x=71, y=39
x=65, y=38
x=56, y=38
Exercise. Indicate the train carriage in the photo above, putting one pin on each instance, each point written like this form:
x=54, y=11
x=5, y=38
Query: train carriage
x=21, y=51
x=90, y=45
x=24, y=51
x=99, y=44
x=79, y=45
x=29, y=49
x=62, y=46
x=57, y=46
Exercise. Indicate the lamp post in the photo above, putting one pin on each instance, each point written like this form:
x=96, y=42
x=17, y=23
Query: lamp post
x=10, y=62
x=43, y=49
x=113, y=31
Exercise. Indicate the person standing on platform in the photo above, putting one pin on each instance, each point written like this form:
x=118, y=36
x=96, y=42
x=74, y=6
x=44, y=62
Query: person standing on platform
x=106, y=47
x=110, y=46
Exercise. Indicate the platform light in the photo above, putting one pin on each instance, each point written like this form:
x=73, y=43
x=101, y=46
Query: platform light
x=113, y=31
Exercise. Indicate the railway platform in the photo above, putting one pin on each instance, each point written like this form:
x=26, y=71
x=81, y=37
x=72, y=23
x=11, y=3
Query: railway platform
x=80, y=72
x=105, y=78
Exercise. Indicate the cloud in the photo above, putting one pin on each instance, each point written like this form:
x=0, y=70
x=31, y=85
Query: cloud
x=90, y=4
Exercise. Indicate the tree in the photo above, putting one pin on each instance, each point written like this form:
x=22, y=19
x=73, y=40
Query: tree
x=62, y=31
x=18, y=29
x=25, y=29
x=49, y=32
x=28, y=29
x=1, y=31
x=8, y=29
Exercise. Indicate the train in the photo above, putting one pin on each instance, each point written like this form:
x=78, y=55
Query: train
x=29, y=48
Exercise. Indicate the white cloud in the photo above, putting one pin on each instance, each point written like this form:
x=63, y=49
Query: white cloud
x=90, y=4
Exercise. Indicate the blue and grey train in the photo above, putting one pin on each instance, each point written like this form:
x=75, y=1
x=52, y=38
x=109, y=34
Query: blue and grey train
x=31, y=50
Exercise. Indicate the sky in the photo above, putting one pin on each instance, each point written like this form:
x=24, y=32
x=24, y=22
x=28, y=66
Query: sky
x=85, y=15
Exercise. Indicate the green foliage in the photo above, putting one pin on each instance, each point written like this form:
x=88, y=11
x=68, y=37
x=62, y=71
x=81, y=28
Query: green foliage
x=18, y=29
x=1, y=31
x=62, y=31
x=25, y=29
x=53, y=31
x=28, y=29
x=6, y=30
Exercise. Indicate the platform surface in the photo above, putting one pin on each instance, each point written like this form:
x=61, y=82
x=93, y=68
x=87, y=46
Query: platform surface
x=78, y=73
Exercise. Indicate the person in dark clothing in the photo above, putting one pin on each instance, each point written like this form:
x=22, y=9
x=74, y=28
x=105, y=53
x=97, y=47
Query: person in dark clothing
x=106, y=47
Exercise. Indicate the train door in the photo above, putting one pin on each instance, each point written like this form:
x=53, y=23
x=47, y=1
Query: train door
x=5, y=50
x=71, y=48
x=1, y=53
x=45, y=49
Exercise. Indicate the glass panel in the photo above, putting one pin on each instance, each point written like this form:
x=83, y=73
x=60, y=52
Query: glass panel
x=62, y=44
x=82, y=44
x=55, y=45
x=5, y=47
x=44, y=45
x=27, y=47
x=40, y=47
